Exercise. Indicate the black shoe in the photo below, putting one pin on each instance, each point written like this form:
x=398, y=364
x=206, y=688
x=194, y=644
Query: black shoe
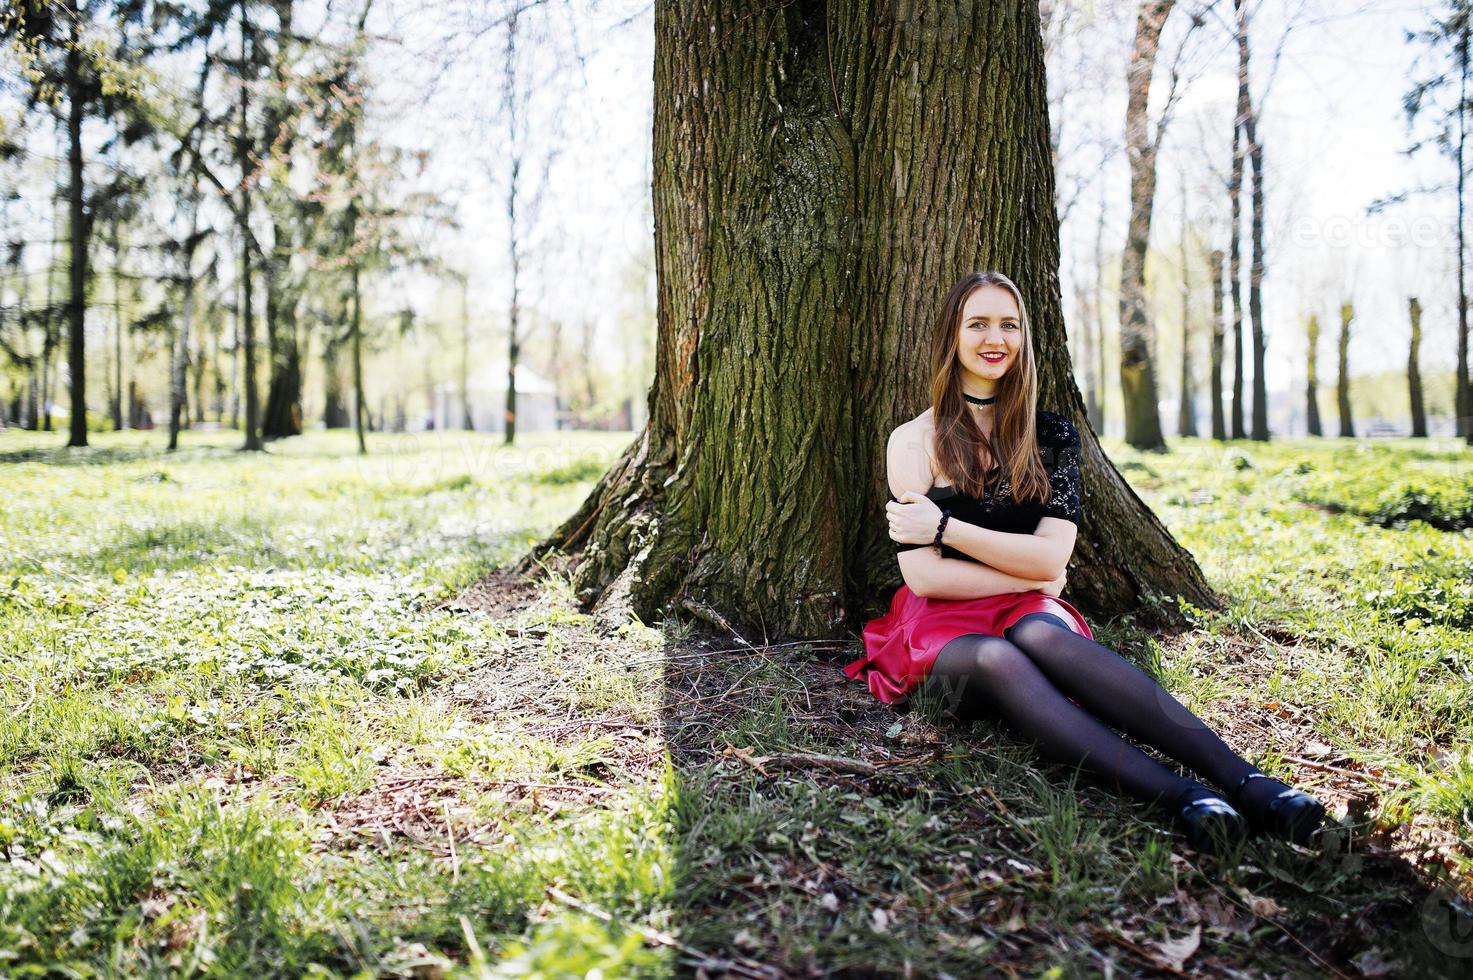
x=1291, y=815
x=1210, y=822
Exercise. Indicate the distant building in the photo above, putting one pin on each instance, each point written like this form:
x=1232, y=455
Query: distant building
x=537, y=400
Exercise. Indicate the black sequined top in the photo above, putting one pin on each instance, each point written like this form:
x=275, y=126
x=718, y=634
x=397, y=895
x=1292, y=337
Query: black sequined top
x=1058, y=447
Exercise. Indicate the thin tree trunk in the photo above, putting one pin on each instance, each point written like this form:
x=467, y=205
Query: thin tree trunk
x=1255, y=295
x=1414, y=371
x=117, y=385
x=334, y=412
x=747, y=276
x=235, y=361
x=77, y=302
x=1219, y=424
x=1312, y=377
x=1186, y=416
x=1342, y=386
x=252, y=396
x=1137, y=367
x=1463, y=395
x=180, y=348
x=358, y=406
x=513, y=350
x=197, y=358
x=33, y=378
x=1235, y=260
x=1094, y=400
x=466, y=421
x=1087, y=317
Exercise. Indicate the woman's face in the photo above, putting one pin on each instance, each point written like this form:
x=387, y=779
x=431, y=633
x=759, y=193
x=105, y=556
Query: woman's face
x=991, y=332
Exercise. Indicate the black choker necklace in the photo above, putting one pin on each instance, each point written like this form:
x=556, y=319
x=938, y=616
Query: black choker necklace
x=979, y=401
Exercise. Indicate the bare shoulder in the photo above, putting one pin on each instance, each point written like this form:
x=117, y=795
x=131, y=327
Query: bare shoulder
x=909, y=456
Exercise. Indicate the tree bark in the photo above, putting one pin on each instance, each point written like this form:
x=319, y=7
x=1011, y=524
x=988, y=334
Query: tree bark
x=1312, y=396
x=1342, y=385
x=1137, y=367
x=1414, y=371
x=797, y=266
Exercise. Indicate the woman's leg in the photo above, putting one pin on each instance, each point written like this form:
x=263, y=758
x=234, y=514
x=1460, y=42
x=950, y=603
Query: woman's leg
x=976, y=670
x=1119, y=693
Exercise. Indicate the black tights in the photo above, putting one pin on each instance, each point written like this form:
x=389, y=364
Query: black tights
x=1029, y=677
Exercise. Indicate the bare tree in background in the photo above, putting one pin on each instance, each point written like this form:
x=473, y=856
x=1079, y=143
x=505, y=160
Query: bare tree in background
x=1342, y=384
x=1248, y=119
x=1186, y=415
x=531, y=141
x=1219, y=424
x=1138, y=385
x=1447, y=43
x=1312, y=377
x=1414, y=370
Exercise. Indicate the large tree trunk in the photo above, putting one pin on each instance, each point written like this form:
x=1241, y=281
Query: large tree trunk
x=1414, y=371
x=1137, y=367
x=1342, y=384
x=1219, y=424
x=77, y=301
x=1312, y=381
x=798, y=267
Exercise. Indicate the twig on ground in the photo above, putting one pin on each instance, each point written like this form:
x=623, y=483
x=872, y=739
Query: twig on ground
x=1393, y=783
x=814, y=760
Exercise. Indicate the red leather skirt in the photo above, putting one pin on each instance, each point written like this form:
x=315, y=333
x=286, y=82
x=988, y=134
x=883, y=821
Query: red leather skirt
x=901, y=646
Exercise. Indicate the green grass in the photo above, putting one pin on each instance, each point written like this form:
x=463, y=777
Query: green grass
x=243, y=739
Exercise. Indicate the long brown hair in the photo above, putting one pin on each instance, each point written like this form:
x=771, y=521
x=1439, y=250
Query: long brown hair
x=1013, y=446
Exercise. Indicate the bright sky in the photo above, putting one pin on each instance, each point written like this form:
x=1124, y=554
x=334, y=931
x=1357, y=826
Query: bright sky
x=1331, y=124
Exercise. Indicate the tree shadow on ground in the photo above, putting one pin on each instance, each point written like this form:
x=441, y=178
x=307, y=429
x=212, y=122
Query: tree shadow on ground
x=819, y=832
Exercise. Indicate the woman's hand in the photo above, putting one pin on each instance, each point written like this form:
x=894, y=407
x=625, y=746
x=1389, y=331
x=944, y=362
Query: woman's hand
x=913, y=518
x=1056, y=586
